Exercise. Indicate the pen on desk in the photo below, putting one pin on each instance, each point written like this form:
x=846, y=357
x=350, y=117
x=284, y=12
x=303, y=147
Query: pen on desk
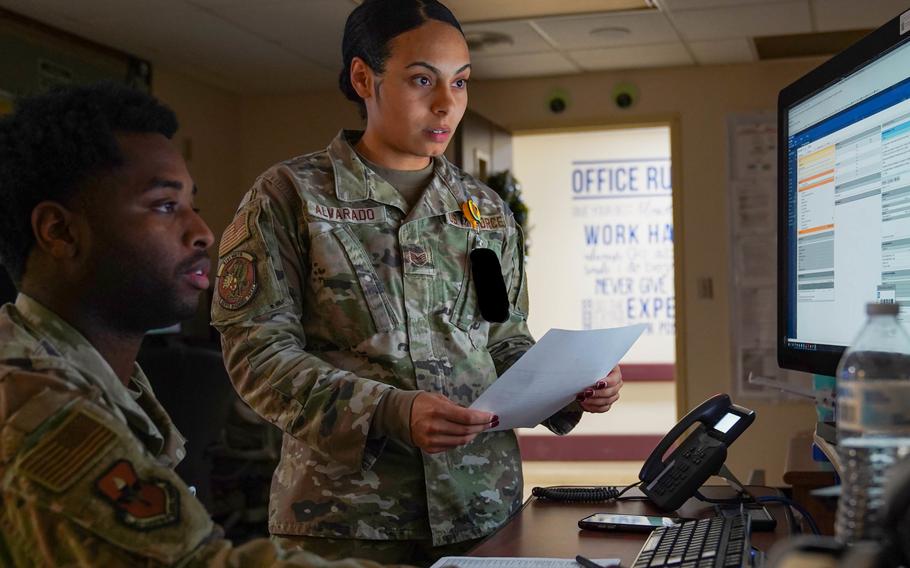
x=587, y=562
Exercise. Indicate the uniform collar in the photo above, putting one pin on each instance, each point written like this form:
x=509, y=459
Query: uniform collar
x=59, y=339
x=354, y=181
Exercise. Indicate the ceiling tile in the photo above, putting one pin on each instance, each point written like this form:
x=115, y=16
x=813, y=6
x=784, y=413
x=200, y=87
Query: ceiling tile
x=633, y=57
x=35, y=11
x=676, y=5
x=108, y=22
x=525, y=65
x=488, y=10
x=575, y=32
x=744, y=21
x=219, y=4
x=311, y=29
x=835, y=15
x=281, y=45
x=722, y=51
x=187, y=37
x=524, y=38
x=191, y=35
x=85, y=11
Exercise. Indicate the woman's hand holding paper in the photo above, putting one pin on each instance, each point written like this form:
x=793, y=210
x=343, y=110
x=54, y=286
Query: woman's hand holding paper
x=603, y=394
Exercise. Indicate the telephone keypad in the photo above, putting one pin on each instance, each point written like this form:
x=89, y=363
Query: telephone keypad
x=686, y=470
x=670, y=476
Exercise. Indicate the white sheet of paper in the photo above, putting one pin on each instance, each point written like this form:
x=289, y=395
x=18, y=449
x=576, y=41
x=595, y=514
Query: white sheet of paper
x=515, y=562
x=547, y=377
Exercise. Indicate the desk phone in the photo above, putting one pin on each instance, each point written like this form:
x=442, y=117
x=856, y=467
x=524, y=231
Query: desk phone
x=669, y=482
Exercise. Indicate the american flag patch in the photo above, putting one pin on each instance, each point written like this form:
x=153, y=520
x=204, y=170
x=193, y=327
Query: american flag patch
x=62, y=456
x=237, y=232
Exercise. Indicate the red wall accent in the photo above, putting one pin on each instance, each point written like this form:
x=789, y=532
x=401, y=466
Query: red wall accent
x=619, y=447
x=648, y=372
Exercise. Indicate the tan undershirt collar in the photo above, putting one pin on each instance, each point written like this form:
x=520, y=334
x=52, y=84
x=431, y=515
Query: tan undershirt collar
x=409, y=183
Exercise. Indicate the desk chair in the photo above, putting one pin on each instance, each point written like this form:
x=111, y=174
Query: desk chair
x=7, y=289
x=231, y=451
x=192, y=385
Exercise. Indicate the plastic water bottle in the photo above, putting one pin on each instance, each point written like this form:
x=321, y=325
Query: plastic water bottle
x=873, y=419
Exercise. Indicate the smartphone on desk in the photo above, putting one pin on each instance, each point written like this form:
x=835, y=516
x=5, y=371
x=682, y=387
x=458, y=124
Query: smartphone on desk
x=633, y=523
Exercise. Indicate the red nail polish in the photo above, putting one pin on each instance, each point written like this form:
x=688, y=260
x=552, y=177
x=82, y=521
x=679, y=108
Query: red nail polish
x=589, y=393
x=601, y=384
x=495, y=418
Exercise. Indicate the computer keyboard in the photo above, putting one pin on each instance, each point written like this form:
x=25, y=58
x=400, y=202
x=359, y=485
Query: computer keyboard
x=716, y=542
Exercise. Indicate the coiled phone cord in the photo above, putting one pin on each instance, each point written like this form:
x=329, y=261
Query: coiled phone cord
x=575, y=494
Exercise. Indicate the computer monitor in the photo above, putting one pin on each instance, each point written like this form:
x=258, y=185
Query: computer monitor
x=843, y=197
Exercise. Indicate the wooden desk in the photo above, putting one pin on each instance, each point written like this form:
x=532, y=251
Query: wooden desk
x=548, y=529
x=805, y=475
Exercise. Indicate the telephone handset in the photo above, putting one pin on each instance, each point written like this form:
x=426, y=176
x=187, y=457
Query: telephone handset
x=669, y=483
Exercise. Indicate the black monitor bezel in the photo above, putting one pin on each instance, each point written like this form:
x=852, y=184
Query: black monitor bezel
x=872, y=46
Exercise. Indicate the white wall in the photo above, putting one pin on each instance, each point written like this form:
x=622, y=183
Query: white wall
x=592, y=259
x=562, y=269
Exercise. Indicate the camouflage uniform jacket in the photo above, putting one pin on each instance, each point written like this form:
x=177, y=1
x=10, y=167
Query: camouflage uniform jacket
x=86, y=465
x=331, y=297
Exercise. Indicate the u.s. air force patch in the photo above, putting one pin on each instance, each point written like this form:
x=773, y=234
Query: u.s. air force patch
x=483, y=223
x=139, y=504
x=236, y=280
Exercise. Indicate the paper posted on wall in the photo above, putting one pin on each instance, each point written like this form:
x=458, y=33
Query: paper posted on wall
x=547, y=377
x=753, y=236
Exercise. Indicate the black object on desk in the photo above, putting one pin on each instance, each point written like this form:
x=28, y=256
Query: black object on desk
x=761, y=518
x=717, y=542
x=587, y=562
x=669, y=482
x=547, y=529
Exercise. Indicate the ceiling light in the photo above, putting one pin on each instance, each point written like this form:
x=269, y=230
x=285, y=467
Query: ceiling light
x=611, y=33
x=480, y=41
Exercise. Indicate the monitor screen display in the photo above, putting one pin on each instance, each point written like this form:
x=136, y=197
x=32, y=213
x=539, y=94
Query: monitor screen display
x=845, y=200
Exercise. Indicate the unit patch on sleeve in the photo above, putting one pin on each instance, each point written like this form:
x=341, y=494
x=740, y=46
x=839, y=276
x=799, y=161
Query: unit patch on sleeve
x=140, y=504
x=237, y=232
x=486, y=222
x=236, y=280
x=63, y=455
x=347, y=214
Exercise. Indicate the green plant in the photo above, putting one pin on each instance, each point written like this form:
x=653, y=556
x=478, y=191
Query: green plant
x=508, y=188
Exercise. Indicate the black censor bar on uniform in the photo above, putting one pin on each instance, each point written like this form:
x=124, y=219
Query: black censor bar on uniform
x=491, y=288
